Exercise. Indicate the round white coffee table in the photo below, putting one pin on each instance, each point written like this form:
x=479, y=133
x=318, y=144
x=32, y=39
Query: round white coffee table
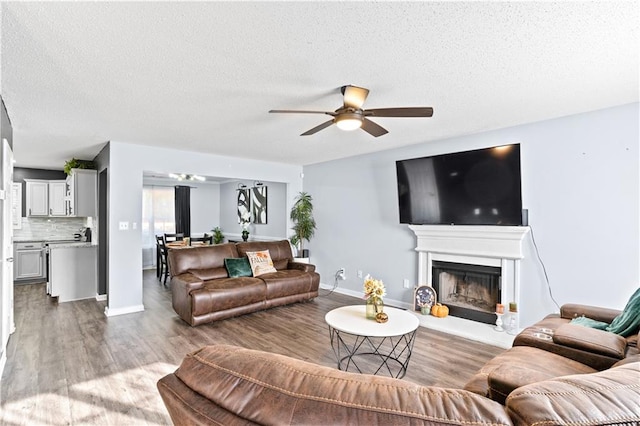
x=371, y=347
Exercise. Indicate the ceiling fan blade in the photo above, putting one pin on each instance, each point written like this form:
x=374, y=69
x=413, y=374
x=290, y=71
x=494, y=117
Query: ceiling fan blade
x=354, y=96
x=295, y=111
x=372, y=128
x=318, y=128
x=400, y=112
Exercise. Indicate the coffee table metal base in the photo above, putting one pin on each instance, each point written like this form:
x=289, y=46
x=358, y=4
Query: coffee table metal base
x=372, y=355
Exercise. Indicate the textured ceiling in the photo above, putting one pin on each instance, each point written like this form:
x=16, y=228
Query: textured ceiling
x=202, y=76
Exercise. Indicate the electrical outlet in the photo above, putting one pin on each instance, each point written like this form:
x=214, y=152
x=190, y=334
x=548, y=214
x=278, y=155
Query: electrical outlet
x=124, y=226
x=359, y=274
x=341, y=274
x=406, y=284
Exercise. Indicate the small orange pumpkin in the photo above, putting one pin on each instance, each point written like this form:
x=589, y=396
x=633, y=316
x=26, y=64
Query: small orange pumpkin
x=439, y=310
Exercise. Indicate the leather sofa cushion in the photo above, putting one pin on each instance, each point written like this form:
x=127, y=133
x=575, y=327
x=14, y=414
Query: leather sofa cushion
x=209, y=273
x=266, y=388
x=227, y=293
x=610, y=397
x=280, y=251
x=519, y=366
x=288, y=281
x=573, y=310
x=529, y=367
x=196, y=258
x=591, y=340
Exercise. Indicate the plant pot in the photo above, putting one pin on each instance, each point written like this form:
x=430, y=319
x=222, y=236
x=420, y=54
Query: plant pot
x=305, y=253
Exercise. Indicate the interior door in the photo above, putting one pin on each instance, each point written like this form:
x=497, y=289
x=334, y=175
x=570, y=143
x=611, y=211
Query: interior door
x=6, y=244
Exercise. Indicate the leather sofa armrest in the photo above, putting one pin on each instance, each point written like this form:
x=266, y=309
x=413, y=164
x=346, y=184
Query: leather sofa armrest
x=573, y=310
x=304, y=267
x=590, y=340
x=186, y=282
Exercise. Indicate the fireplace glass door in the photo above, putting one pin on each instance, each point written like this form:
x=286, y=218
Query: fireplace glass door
x=470, y=291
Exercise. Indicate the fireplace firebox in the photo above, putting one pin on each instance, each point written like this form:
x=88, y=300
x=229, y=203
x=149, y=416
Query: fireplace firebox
x=470, y=291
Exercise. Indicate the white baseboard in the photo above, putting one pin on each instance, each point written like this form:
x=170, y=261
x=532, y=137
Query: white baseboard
x=101, y=297
x=123, y=311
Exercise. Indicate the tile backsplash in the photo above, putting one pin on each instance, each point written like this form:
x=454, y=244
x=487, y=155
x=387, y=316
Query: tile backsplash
x=50, y=227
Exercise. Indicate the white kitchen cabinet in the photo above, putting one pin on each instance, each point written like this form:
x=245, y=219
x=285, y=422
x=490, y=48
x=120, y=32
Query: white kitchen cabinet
x=73, y=272
x=29, y=261
x=82, y=193
x=57, y=195
x=37, y=197
x=46, y=197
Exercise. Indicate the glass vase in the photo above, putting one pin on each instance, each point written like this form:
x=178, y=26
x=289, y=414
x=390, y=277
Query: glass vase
x=374, y=306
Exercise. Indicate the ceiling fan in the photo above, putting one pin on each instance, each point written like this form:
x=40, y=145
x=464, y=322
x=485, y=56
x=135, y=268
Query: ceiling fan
x=351, y=115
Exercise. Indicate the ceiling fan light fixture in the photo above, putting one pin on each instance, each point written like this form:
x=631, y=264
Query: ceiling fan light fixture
x=349, y=121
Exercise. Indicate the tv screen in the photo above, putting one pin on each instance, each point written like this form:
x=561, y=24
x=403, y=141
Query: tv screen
x=479, y=187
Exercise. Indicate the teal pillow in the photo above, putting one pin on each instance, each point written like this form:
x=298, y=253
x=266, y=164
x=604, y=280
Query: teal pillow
x=238, y=267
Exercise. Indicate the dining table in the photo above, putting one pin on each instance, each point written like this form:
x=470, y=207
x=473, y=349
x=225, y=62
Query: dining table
x=183, y=244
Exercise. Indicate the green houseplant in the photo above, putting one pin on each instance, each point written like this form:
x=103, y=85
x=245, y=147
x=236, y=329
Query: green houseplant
x=304, y=225
x=74, y=163
x=218, y=236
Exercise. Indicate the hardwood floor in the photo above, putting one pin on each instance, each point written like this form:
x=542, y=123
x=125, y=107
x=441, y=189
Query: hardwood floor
x=69, y=364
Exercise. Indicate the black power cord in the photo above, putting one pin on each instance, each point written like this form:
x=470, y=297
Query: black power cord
x=544, y=269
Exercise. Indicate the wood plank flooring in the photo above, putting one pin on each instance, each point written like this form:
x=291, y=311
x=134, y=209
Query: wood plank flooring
x=68, y=364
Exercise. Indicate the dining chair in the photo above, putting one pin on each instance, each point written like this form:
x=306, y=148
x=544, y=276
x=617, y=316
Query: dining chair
x=206, y=239
x=163, y=264
x=159, y=241
x=169, y=238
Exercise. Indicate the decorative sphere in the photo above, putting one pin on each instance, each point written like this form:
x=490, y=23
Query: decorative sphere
x=382, y=317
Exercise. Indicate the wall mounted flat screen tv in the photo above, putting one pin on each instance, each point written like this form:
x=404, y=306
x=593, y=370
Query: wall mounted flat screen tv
x=479, y=187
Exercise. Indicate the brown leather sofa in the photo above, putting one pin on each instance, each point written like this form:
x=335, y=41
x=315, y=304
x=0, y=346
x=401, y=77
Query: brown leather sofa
x=553, y=347
x=228, y=385
x=595, y=348
x=202, y=290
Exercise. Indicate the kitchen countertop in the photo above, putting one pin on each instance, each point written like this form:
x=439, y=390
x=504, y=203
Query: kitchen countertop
x=55, y=242
x=44, y=239
x=71, y=244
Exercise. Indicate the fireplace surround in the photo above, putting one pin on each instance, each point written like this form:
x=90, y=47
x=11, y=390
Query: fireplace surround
x=497, y=247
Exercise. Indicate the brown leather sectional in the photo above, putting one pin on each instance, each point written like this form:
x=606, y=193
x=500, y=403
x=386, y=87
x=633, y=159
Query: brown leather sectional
x=525, y=385
x=228, y=385
x=202, y=290
x=552, y=348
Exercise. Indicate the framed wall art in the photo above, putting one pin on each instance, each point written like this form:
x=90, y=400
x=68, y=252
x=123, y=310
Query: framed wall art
x=259, y=204
x=244, y=205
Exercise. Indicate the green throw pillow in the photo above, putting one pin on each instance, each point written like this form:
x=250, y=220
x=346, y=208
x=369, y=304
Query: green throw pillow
x=238, y=267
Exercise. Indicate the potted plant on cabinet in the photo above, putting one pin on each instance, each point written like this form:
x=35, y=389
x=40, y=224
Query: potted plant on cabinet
x=304, y=225
x=74, y=163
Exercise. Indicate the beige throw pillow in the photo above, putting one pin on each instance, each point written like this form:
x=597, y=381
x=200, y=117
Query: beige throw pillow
x=261, y=262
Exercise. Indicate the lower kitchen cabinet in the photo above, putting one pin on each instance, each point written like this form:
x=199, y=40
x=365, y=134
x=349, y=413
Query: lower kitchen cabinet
x=29, y=262
x=73, y=272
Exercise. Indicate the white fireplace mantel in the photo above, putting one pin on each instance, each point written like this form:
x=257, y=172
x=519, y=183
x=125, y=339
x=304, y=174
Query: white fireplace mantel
x=503, y=242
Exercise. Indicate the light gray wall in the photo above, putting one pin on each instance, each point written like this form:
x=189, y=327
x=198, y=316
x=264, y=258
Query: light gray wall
x=580, y=182
x=126, y=165
x=205, y=208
